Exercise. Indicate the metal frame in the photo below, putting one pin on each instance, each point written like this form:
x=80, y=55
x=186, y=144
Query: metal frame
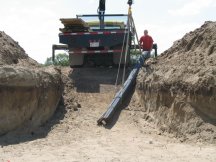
x=104, y=15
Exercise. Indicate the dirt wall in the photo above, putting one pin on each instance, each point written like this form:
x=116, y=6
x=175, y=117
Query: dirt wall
x=179, y=91
x=28, y=97
x=12, y=53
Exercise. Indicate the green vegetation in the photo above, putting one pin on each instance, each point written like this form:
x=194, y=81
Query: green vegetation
x=61, y=59
x=135, y=52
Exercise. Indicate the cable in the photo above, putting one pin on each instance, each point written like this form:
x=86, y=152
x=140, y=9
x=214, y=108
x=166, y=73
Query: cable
x=126, y=53
x=119, y=65
x=132, y=21
x=130, y=26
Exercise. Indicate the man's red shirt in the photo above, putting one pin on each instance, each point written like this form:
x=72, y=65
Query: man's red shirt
x=146, y=42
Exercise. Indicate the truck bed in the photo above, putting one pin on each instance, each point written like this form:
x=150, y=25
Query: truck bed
x=93, y=40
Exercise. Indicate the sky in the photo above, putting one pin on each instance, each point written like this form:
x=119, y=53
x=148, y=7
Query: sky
x=35, y=24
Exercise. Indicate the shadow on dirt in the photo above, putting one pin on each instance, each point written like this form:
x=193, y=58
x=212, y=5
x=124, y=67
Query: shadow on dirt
x=124, y=104
x=88, y=80
x=26, y=134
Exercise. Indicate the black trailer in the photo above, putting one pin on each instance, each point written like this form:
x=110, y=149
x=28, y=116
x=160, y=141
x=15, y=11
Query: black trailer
x=89, y=42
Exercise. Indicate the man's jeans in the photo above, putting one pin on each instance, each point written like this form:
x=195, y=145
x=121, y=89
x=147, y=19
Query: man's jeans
x=145, y=55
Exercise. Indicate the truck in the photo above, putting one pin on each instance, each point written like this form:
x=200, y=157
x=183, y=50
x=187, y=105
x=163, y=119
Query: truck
x=97, y=39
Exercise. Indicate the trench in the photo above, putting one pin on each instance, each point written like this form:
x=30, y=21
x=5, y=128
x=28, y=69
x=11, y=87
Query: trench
x=72, y=134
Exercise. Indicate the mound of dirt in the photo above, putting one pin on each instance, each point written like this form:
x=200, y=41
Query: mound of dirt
x=178, y=92
x=29, y=94
x=12, y=53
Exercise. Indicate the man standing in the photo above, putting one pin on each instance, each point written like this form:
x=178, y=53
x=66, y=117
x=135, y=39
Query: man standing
x=146, y=43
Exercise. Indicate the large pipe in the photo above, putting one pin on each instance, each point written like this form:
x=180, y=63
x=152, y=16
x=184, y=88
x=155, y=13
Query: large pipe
x=120, y=96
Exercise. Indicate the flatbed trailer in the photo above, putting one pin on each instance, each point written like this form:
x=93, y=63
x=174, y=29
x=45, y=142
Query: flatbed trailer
x=88, y=43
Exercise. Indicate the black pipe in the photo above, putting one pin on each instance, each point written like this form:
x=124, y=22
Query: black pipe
x=122, y=93
x=119, y=97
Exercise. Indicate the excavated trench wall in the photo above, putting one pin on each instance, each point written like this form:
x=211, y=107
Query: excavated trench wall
x=28, y=97
x=178, y=109
x=29, y=93
x=178, y=92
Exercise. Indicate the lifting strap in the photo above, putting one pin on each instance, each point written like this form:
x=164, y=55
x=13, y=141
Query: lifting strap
x=130, y=28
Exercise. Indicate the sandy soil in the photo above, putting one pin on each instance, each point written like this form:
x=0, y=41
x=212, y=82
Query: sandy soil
x=73, y=135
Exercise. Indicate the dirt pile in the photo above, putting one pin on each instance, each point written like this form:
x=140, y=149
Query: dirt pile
x=178, y=93
x=29, y=94
x=12, y=53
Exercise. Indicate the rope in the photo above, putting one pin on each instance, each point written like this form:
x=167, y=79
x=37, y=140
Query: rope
x=127, y=48
x=130, y=24
x=119, y=65
x=132, y=21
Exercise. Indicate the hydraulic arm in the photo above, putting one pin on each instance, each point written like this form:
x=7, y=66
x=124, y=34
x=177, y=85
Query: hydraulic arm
x=101, y=12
